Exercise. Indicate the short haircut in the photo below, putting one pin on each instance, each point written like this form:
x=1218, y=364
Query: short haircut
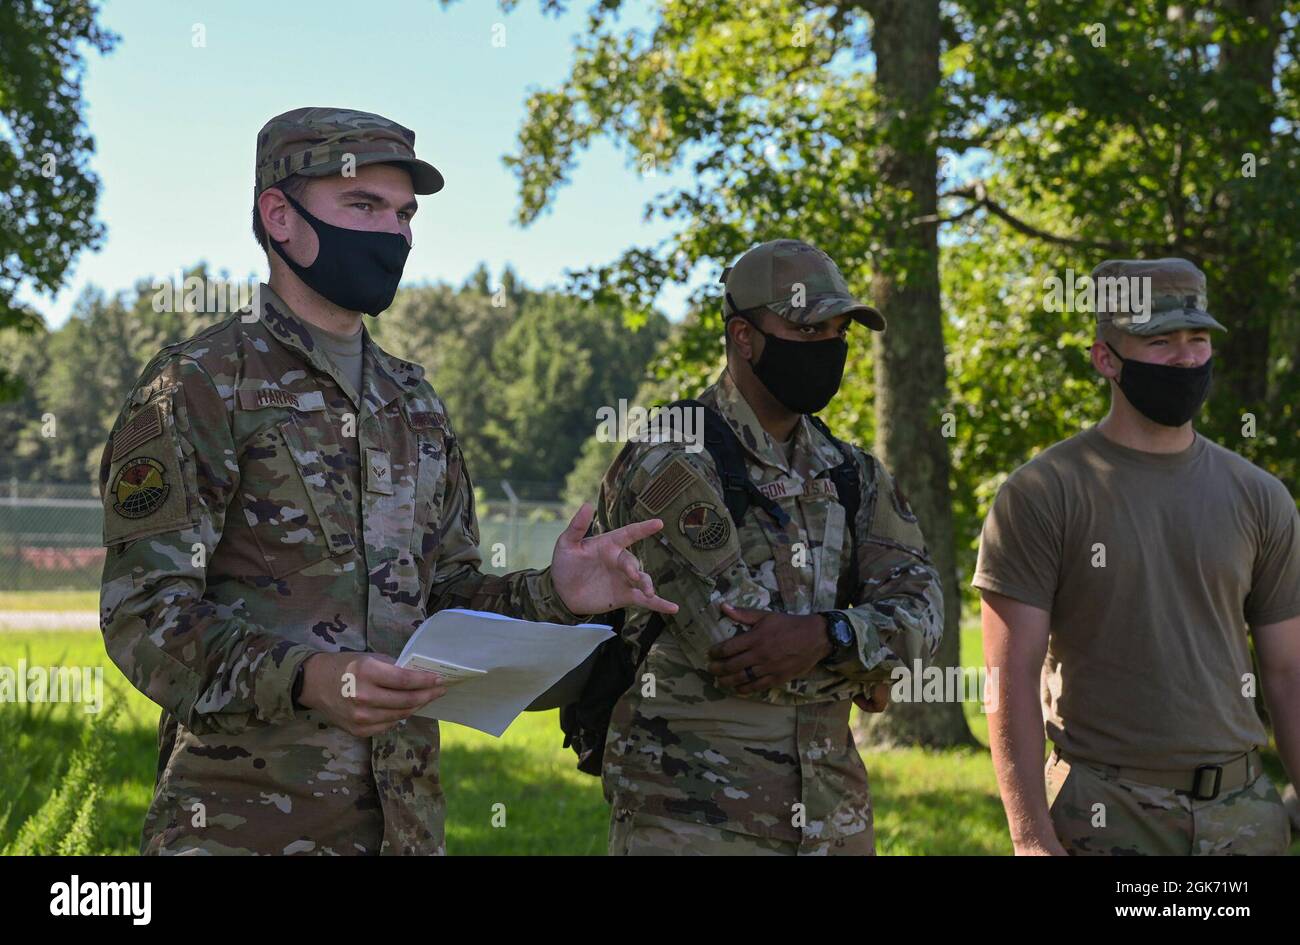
x=1108, y=333
x=751, y=315
x=294, y=186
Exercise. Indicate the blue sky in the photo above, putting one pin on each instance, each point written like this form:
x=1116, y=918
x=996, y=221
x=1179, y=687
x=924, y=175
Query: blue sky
x=174, y=127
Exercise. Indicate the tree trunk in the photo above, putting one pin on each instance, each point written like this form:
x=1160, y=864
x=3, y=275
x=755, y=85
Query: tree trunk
x=911, y=377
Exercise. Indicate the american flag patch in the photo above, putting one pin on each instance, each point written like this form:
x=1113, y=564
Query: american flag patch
x=667, y=485
x=142, y=428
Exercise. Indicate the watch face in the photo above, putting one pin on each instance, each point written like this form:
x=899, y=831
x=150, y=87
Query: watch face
x=842, y=631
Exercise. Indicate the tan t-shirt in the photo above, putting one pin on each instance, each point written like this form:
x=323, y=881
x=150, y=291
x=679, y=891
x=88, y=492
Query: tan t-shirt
x=1152, y=566
x=343, y=350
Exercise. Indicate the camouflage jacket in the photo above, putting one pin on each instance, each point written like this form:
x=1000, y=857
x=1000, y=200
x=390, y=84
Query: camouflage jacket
x=780, y=764
x=256, y=513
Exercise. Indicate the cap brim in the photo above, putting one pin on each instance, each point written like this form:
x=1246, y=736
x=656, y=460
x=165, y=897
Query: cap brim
x=870, y=317
x=1174, y=320
x=425, y=178
x=863, y=314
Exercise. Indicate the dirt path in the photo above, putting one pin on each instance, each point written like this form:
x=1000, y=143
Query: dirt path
x=18, y=620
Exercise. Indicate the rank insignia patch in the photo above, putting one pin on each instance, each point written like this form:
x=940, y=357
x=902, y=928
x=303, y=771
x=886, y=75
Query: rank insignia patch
x=704, y=526
x=140, y=488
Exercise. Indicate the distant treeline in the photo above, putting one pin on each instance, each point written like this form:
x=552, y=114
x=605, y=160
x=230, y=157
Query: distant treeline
x=522, y=371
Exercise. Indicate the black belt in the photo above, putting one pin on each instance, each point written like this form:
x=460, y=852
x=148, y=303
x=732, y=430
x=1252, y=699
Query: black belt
x=1202, y=783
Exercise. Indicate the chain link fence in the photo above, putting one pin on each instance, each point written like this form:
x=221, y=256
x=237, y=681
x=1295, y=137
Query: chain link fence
x=51, y=536
x=518, y=523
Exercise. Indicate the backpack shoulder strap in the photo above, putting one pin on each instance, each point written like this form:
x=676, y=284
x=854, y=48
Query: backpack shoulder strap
x=738, y=490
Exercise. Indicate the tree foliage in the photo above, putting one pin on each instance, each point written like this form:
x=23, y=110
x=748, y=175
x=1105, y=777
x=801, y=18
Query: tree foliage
x=522, y=371
x=47, y=190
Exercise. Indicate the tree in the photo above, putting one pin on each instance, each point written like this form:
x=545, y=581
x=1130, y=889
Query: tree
x=1120, y=129
x=911, y=379
x=80, y=376
x=522, y=371
x=559, y=362
x=789, y=133
x=47, y=191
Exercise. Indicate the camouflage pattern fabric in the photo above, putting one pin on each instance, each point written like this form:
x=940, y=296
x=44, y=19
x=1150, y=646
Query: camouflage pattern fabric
x=779, y=765
x=1098, y=814
x=319, y=141
x=255, y=515
x=636, y=833
x=797, y=281
x=1177, y=296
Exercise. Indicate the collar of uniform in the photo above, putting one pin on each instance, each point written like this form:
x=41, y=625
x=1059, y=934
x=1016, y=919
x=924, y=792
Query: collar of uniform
x=383, y=376
x=811, y=449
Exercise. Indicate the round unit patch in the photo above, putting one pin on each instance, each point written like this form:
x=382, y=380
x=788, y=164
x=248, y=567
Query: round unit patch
x=141, y=488
x=901, y=505
x=704, y=526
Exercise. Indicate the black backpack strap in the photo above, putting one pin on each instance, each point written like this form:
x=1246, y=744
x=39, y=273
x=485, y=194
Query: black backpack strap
x=585, y=723
x=654, y=626
x=738, y=490
x=848, y=486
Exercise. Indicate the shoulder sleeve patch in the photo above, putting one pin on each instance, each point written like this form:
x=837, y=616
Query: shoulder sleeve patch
x=146, y=425
x=892, y=519
x=144, y=489
x=697, y=526
x=666, y=485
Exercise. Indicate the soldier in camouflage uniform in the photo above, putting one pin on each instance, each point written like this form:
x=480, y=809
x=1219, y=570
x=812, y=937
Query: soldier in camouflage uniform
x=277, y=529
x=735, y=737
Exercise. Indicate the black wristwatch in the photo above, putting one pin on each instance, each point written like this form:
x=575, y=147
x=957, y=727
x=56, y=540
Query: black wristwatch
x=296, y=692
x=840, y=632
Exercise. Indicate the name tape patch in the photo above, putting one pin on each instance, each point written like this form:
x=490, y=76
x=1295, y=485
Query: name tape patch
x=780, y=488
x=257, y=398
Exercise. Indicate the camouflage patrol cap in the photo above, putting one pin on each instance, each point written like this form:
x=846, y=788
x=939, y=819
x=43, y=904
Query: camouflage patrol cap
x=770, y=274
x=315, y=142
x=1173, y=296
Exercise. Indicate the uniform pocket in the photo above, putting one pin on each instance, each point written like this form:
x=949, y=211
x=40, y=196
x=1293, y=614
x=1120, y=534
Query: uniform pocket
x=430, y=475
x=288, y=499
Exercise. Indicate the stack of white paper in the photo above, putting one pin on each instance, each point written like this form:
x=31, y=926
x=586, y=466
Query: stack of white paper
x=495, y=666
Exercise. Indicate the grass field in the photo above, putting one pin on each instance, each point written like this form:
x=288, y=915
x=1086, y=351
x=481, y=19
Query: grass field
x=927, y=802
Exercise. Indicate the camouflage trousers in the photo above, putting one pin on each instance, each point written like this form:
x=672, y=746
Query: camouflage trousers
x=636, y=833
x=1096, y=813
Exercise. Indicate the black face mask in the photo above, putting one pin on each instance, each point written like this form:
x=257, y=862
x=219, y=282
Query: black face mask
x=802, y=375
x=1163, y=393
x=355, y=269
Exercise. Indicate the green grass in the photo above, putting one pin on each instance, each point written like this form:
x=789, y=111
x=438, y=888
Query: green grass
x=926, y=802
x=49, y=600
x=550, y=807
x=41, y=739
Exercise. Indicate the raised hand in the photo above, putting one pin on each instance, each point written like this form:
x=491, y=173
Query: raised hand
x=596, y=574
